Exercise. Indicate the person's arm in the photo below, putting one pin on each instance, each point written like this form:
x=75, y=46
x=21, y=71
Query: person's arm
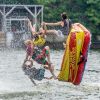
x=29, y=53
x=53, y=24
x=44, y=28
x=64, y=45
x=32, y=29
x=82, y=27
x=26, y=58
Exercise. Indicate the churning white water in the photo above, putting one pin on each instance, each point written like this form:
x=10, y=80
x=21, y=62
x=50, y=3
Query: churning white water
x=14, y=85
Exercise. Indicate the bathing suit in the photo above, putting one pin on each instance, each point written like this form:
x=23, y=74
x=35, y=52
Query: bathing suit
x=66, y=28
x=40, y=56
x=39, y=40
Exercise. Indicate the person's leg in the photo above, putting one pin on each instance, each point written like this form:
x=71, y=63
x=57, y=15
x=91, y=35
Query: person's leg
x=47, y=52
x=32, y=80
x=44, y=27
x=55, y=32
x=50, y=66
x=41, y=59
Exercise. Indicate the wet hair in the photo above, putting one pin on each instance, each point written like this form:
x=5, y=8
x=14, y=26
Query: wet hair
x=70, y=23
x=36, y=36
x=64, y=15
x=27, y=42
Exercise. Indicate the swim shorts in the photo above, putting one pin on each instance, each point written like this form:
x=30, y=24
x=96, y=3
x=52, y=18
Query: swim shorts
x=40, y=56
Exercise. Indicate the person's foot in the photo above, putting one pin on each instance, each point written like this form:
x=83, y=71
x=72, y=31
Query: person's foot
x=55, y=77
x=48, y=77
x=51, y=77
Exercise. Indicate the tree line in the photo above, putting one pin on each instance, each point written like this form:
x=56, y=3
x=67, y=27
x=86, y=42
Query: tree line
x=86, y=12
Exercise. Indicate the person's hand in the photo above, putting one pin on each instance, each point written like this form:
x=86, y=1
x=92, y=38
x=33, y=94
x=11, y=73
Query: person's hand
x=64, y=45
x=28, y=20
x=77, y=24
x=25, y=60
x=43, y=23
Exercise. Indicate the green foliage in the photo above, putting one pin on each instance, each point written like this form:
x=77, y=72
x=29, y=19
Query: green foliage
x=17, y=1
x=86, y=12
x=93, y=14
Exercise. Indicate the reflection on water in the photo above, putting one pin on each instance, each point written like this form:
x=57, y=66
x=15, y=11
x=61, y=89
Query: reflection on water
x=14, y=85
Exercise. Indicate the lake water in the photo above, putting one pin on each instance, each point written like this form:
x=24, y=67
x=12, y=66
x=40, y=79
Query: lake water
x=14, y=85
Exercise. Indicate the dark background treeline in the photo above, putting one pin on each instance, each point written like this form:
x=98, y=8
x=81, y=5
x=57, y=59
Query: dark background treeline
x=86, y=12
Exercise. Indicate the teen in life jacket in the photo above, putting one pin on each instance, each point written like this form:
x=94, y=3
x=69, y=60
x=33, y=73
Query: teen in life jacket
x=39, y=38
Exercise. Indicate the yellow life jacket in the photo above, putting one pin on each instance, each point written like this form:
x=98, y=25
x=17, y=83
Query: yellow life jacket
x=40, y=41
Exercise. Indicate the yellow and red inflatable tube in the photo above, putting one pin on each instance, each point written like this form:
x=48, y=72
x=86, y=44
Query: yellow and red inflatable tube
x=77, y=43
